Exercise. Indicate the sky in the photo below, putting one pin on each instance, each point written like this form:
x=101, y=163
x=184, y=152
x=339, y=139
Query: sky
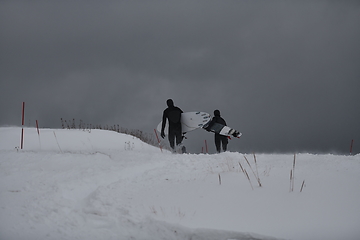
x=284, y=73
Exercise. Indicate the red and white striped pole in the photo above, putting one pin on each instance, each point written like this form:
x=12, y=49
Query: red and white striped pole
x=22, y=124
x=157, y=137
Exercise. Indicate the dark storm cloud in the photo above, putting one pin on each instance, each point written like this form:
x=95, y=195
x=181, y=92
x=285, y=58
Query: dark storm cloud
x=286, y=74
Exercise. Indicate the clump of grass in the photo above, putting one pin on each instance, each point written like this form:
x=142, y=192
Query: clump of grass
x=292, y=177
x=143, y=136
x=255, y=174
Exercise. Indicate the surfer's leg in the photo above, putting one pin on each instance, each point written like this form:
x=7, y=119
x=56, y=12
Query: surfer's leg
x=172, y=139
x=224, y=141
x=217, y=143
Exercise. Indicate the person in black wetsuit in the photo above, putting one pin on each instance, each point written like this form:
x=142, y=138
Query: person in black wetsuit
x=219, y=139
x=173, y=115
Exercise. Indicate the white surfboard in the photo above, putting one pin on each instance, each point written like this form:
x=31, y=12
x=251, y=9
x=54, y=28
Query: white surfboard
x=189, y=121
x=230, y=132
x=223, y=130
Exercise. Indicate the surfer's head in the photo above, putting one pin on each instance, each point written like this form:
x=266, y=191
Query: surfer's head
x=217, y=113
x=170, y=103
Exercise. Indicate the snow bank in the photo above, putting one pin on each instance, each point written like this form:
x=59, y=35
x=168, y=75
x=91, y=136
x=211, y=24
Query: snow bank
x=73, y=184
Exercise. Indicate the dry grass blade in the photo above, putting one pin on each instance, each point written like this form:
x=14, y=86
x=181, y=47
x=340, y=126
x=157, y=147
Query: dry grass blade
x=257, y=173
x=302, y=186
x=257, y=178
x=246, y=174
x=242, y=169
x=291, y=175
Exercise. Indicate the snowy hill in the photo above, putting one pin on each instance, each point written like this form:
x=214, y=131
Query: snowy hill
x=73, y=184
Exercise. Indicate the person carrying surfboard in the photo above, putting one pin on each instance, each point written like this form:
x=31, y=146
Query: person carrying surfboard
x=219, y=139
x=173, y=115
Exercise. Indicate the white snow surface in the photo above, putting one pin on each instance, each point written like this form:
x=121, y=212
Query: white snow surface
x=74, y=184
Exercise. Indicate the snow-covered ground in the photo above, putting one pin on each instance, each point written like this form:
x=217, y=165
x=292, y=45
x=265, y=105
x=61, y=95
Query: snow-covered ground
x=74, y=184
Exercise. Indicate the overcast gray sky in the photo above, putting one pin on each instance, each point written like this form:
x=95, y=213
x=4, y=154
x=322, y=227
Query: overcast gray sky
x=284, y=73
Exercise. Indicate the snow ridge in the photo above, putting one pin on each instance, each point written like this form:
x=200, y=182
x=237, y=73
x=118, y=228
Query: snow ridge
x=73, y=184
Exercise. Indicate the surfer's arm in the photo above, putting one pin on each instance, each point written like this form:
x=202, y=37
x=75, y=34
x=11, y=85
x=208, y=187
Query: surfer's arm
x=163, y=125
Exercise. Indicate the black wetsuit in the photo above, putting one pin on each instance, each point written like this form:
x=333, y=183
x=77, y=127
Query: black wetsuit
x=219, y=139
x=173, y=115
